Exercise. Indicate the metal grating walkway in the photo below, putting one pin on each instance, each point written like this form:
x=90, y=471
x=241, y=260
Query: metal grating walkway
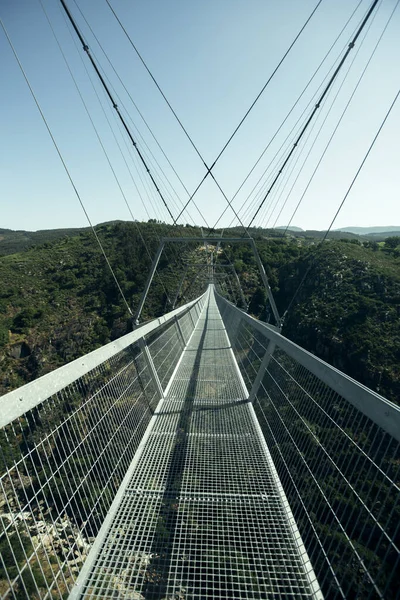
x=202, y=514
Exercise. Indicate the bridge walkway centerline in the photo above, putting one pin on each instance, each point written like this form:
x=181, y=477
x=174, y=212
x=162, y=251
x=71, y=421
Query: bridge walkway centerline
x=202, y=513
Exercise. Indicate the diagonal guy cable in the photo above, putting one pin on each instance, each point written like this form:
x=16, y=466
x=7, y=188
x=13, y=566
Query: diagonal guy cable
x=209, y=169
x=313, y=259
x=64, y=165
x=340, y=119
x=135, y=223
x=140, y=114
x=282, y=123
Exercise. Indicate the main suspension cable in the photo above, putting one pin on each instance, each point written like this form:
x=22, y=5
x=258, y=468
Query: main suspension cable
x=265, y=85
x=316, y=137
x=142, y=117
x=317, y=106
x=313, y=259
x=99, y=138
x=149, y=192
x=64, y=165
x=339, y=121
x=284, y=121
x=115, y=106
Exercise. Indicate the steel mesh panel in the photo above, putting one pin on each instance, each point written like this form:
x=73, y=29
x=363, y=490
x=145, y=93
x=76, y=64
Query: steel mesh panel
x=249, y=347
x=202, y=515
x=62, y=464
x=165, y=351
x=63, y=461
x=340, y=471
x=346, y=471
x=234, y=548
x=186, y=325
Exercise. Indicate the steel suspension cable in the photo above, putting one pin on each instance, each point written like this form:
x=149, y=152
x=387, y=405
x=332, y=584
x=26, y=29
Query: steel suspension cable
x=284, y=180
x=141, y=115
x=313, y=259
x=318, y=105
x=123, y=137
x=115, y=106
x=320, y=129
x=340, y=119
x=209, y=169
x=322, y=126
x=266, y=84
x=284, y=121
x=157, y=84
x=64, y=165
x=99, y=138
x=148, y=160
x=269, y=207
x=144, y=183
x=279, y=155
x=151, y=160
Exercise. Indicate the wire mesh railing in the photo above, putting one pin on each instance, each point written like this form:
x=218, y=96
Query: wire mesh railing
x=66, y=443
x=201, y=513
x=68, y=440
x=335, y=445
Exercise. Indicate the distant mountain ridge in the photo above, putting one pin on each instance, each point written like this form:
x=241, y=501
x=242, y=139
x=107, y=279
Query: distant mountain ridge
x=16, y=241
x=290, y=228
x=383, y=230
x=12, y=241
x=390, y=229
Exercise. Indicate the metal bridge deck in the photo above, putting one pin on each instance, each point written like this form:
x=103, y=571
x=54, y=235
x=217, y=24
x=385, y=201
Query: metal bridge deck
x=203, y=514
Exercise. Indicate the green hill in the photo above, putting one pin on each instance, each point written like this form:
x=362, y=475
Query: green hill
x=348, y=311
x=12, y=242
x=58, y=299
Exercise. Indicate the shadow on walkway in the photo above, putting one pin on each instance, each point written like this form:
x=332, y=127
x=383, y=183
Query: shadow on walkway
x=167, y=520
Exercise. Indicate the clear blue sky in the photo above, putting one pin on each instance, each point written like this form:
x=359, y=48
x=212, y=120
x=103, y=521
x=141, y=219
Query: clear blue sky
x=211, y=58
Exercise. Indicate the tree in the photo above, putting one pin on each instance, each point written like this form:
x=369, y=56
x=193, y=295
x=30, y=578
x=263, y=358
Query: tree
x=372, y=245
x=25, y=319
x=392, y=242
x=258, y=302
x=3, y=335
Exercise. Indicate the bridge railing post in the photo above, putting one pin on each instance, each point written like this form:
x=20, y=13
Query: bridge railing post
x=261, y=370
x=148, y=283
x=266, y=283
x=150, y=366
x=179, y=328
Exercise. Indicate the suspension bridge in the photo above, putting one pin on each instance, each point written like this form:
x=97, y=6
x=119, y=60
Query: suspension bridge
x=202, y=455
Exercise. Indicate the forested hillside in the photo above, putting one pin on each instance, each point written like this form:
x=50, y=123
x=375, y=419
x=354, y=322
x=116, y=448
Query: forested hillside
x=16, y=241
x=58, y=299
x=348, y=310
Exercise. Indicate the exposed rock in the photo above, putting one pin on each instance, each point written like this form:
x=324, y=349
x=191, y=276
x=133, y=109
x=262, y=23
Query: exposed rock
x=47, y=541
x=20, y=350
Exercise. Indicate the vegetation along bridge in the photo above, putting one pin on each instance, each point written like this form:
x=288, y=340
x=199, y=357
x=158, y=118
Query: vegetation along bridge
x=203, y=455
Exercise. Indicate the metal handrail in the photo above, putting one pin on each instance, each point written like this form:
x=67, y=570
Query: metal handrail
x=67, y=441
x=17, y=402
x=335, y=445
x=381, y=411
